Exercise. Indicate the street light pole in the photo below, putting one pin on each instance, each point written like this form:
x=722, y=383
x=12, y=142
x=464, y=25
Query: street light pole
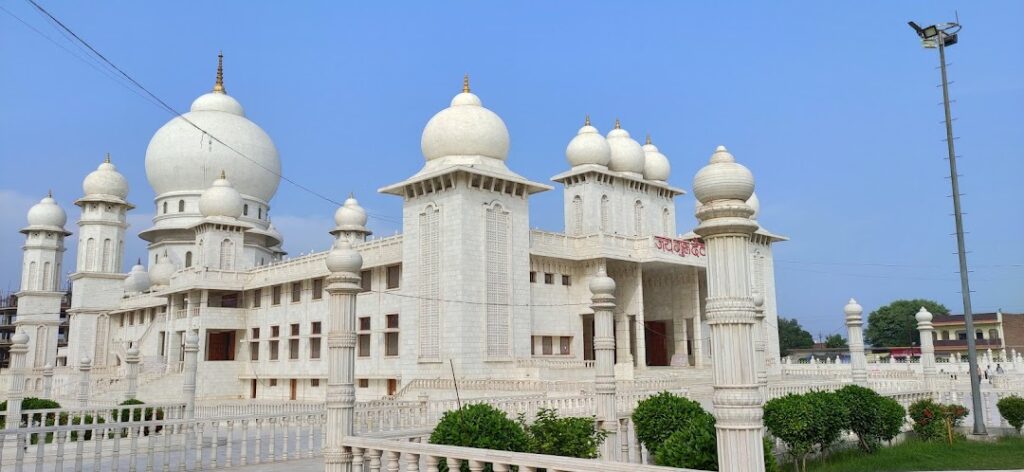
x=939, y=35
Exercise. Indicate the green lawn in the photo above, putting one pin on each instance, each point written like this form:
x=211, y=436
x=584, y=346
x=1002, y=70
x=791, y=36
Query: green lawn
x=912, y=455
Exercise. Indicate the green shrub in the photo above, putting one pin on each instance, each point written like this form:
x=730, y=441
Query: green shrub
x=481, y=426
x=806, y=422
x=557, y=436
x=934, y=421
x=694, y=446
x=658, y=416
x=1012, y=409
x=870, y=416
x=31, y=403
x=770, y=464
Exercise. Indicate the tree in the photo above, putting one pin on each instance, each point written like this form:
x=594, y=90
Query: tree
x=835, y=341
x=894, y=325
x=793, y=336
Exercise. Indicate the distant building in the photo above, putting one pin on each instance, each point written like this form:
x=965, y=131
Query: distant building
x=1000, y=332
x=9, y=315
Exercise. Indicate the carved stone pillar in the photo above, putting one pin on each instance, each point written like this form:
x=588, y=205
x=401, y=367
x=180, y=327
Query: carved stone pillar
x=16, y=388
x=602, y=289
x=854, y=323
x=188, y=387
x=925, y=328
x=48, y=381
x=343, y=284
x=760, y=344
x=680, y=358
x=723, y=187
x=131, y=360
x=84, y=382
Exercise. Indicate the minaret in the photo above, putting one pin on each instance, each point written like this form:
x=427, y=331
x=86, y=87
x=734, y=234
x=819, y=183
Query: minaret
x=723, y=187
x=98, y=281
x=40, y=296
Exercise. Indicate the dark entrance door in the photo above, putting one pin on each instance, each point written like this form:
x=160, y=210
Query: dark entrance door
x=657, y=342
x=252, y=392
x=294, y=386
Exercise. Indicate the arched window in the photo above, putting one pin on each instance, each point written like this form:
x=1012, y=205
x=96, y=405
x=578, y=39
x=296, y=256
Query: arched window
x=666, y=222
x=188, y=259
x=165, y=208
x=638, y=218
x=47, y=276
x=120, y=255
x=105, y=261
x=577, y=215
x=604, y=213
x=993, y=334
x=245, y=209
x=33, y=271
x=227, y=254
x=259, y=213
x=181, y=206
x=90, y=254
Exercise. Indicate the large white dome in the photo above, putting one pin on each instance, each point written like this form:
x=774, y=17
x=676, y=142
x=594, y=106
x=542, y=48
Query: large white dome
x=465, y=128
x=626, y=153
x=106, y=180
x=181, y=158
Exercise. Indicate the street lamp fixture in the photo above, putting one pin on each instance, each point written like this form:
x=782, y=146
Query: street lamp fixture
x=941, y=36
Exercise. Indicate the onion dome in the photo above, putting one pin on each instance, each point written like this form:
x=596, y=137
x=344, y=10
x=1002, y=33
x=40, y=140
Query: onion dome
x=19, y=338
x=601, y=284
x=656, y=165
x=106, y=180
x=138, y=279
x=350, y=214
x=465, y=128
x=626, y=153
x=723, y=179
x=221, y=199
x=853, y=308
x=755, y=204
x=181, y=158
x=923, y=316
x=588, y=147
x=47, y=215
x=160, y=273
x=342, y=258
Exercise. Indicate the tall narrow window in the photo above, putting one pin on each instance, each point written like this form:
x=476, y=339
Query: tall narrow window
x=430, y=266
x=577, y=215
x=296, y=291
x=47, y=277
x=165, y=208
x=318, y=289
x=638, y=218
x=666, y=226
x=33, y=271
x=604, y=213
x=245, y=209
x=498, y=282
x=188, y=259
x=394, y=276
x=366, y=280
x=259, y=213
x=257, y=298
x=391, y=335
x=106, y=261
x=181, y=206
x=90, y=254
x=227, y=254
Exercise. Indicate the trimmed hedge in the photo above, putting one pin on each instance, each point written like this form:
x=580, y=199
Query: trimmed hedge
x=658, y=416
x=870, y=416
x=1012, y=409
x=481, y=426
x=562, y=436
x=807, y=422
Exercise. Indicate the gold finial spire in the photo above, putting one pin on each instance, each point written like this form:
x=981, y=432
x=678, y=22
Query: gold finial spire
x=218, y=86
x=617, y=124
x=49, y=193
x=586, y=121
x=465, y=83
x=648, y=138
x=107, y=159
x=222, y=174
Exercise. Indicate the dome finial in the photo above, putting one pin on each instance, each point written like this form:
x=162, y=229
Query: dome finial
x=465, y=83
x=223, y=175
x=618, y=125
x=586, y=121
x=107, y=159
x=49, y=193
x=218, y=86
x=648, y=138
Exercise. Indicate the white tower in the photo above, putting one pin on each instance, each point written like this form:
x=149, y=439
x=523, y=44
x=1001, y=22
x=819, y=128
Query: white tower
x=762, y=281
x=466, y=215
x=220, y=235
x=98, y=281
x=40, y=295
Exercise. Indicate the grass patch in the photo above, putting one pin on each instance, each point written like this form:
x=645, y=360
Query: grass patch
x=911, y=455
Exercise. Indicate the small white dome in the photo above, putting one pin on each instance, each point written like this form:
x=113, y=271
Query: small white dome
x=588, y=147
x=106, y=180
x=923, y=316
x=137, y=280
x=601, y=284
x=723, y=179
x=755, y=204
x=47, y=213
x=853, y=308
x=342, y=258
x=221, y=199
x=656, y=165
x=160, y=273
x=350, y=214
x=626, y=153
x=465, y=128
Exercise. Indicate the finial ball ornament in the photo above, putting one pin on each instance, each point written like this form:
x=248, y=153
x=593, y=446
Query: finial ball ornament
x=343, y=258
x=923, y=316
x=19, y=338
x=723, y=179
x=853, y=308
x=601, y=284
x=85, y=361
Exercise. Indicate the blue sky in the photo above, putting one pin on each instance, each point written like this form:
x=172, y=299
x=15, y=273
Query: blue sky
x=832, y=106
